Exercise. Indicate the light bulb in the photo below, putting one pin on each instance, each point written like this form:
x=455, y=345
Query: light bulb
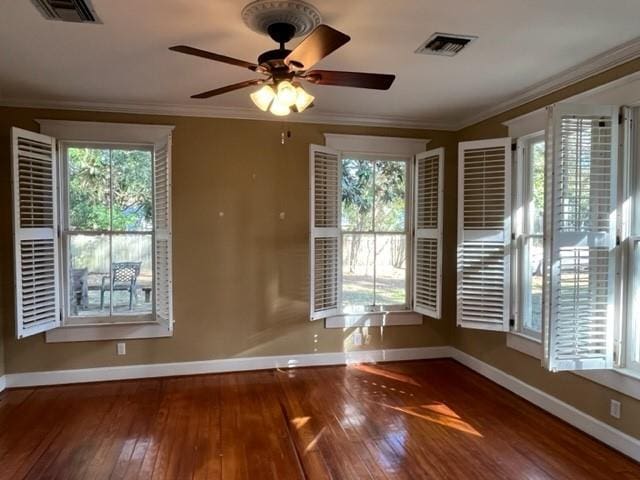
x=278, y=108
x=263, y=97
x=286, y=93
x=303, y=99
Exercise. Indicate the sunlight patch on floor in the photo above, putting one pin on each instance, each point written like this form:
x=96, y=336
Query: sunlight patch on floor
x=314, y=442
x=437, y=413
x=374, y=370
x=300, y=422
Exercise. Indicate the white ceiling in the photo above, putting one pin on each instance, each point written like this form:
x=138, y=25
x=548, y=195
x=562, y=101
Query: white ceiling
x=125, y=60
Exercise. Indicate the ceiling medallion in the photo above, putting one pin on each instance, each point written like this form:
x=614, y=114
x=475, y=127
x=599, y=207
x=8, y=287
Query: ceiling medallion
x=260, y=14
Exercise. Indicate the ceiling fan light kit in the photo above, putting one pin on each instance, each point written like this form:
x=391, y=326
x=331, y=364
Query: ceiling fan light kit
x=280, y=94
x=284, y=98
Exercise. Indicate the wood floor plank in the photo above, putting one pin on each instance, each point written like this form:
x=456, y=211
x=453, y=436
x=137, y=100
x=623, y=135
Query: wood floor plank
x=392, y=421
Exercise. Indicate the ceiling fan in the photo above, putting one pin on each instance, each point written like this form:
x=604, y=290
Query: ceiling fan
x=281, y=68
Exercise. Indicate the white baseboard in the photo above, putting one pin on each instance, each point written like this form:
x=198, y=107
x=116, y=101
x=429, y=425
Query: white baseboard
x=57, y=377
x=616, y=439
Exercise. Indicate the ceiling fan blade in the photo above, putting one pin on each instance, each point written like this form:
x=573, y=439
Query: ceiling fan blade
x=213, y=56
x=229, y=88
x=317, y=45
x=376, y=81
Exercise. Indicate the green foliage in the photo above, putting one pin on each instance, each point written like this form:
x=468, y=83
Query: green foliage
x=538, y=176
x=110, y=189
x=359, y=195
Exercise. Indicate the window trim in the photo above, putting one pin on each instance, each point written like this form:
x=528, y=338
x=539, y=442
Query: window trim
x=68, y=131
x=374, y=145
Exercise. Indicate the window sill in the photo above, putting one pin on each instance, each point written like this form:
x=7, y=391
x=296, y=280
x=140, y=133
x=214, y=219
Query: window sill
x=86, y=333
x=106, y=320
x=374, y=319
x=622, y=380
x=525, y=344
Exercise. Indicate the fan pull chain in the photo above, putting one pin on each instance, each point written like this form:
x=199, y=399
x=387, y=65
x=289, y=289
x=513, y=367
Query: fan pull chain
x=283, y=134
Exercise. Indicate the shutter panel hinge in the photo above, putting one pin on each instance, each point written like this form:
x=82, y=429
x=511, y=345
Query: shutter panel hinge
x=513, y=236
x=512, y=322
x=514, y=147
x=618, y=240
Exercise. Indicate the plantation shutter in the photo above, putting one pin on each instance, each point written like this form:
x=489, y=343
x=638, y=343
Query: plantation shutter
x=35, y=230
x=325, y=252
x=581, y=236
x=162, y=233
x=484, y=226
x=427, y=253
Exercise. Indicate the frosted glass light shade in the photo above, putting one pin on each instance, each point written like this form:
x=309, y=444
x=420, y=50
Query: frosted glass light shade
x=263, y=97
x=279, y=109
x=286, y=93
x=303, y=99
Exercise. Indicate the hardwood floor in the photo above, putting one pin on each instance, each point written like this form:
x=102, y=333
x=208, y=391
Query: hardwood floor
x=408, y=420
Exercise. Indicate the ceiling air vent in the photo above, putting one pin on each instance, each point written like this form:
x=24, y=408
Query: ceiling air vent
x=446, y=44
x=67, y=10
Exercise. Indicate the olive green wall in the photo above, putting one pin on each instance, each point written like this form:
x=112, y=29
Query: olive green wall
x=241, y=280
x=491, y=348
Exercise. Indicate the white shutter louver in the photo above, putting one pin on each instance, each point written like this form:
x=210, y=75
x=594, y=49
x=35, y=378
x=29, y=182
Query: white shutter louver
x=581, y=236
x=162, y=233
x=324, y=203
x=484, y=227
x=427, y=255
x=35, y=222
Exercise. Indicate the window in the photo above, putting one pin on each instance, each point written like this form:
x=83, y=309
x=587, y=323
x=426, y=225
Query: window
x=93, y=230
x=366, y=211
x=107, y=232
x=529, y=229
x=375, y=243
x=631, y=209
x=592, y=251
x=633, y=316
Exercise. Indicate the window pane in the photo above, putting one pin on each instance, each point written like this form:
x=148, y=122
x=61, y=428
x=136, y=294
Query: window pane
x=391, y=270
x=390, y=191
x=536, y=204
x=88, y=279
x=89, y=183
x=132, y=273
x=132, y=190
x=357, y=195
x=634, y=314
x=532, y=277
x=357, y=271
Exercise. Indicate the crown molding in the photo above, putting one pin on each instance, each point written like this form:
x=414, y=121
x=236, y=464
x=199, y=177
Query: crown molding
x=238, y=113
x=600, y=63
x=593, y=66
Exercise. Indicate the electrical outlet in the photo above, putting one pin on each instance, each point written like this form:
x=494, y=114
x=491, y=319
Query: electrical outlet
x=356, y=338
x=614, y=409
x=122, y=348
